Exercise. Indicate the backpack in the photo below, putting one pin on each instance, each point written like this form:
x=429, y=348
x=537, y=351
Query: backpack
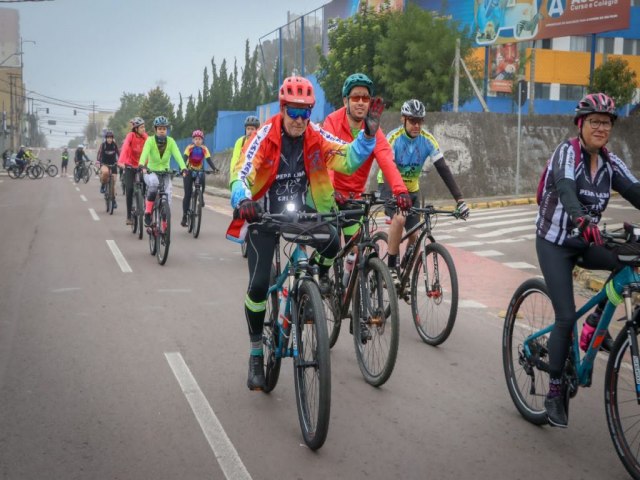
x=575, y=143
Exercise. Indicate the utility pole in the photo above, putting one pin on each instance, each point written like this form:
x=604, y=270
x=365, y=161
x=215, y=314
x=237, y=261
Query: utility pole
x=456, y=76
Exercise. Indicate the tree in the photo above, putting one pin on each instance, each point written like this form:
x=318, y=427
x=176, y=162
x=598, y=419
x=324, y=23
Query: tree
x=352, y=49
x=414, y=58
x=616, y=79
x=130, y=104
x=155, y=104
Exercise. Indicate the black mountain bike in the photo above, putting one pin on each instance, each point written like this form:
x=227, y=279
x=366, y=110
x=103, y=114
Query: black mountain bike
x=137, y=208
x=369, y=290
x=160, y=229
x=428, y=278
x=194, y=214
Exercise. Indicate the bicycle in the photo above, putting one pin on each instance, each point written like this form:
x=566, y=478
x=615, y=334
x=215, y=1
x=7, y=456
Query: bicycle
x=428, y=277
x=137, y=211
x=369, y=290
x=160, y=229
x=194, y=214
x=295, y=325
x=40, y=168
x=16, y=171
x=528, y=322
x=122, y=185
x=81, y=172
x=109, y=192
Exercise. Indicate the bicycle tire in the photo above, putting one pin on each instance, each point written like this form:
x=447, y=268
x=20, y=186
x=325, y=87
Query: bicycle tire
x=621, y=405
x=108, y=203
x=377, y=336
x=191, y=214
x=86, y=175
x=76, y=174
x=270, y=339
x=437, y=293
x=198, y=217
x=332, y=310
x=112, y=196
x=153, y=232
x=164, y=236
x=382, y=240
x=52, y=170
x=41, y=171
x=13, y=172
x=312, y=366
x=33, y=172
x=139, y=214
x=529, y=310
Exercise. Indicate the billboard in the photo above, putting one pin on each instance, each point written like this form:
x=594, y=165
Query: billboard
x=494, y=22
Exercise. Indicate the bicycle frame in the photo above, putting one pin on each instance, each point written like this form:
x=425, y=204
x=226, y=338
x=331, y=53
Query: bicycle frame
x=630, y=278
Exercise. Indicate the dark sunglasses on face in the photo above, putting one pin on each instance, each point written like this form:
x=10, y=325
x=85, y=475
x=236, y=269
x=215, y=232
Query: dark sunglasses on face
x=360, y=98
x=295, y=113
x=415, y=121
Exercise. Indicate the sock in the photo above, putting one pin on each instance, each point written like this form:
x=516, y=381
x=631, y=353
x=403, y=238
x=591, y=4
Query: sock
x=148, y=206
x=392, y=261
x=555, y=388
x=255, y=345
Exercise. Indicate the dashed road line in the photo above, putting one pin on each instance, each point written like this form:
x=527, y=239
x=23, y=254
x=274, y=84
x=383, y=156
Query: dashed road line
x=488, y=253
x=224, y=451
x=77, y=189
x=519, y=265
x=94, y=215
x=83, y=198
x=122, y=262
x=504, y=231
x=470, y=304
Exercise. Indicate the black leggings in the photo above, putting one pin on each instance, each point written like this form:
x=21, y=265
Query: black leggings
x=129, y=175
x=556, y=263
x=261, y=244
x=189, y=180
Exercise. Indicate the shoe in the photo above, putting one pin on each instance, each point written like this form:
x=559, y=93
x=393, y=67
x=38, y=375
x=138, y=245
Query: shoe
x=255, y=378
x=115, y=205
x=184, y=221
x=147, y=219
x=102, y=189
x=556, y=413
x=129, y=221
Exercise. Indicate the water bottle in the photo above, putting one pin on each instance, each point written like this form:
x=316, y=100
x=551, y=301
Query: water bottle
x=283, y=320
x=348, y=267
x=588, y=329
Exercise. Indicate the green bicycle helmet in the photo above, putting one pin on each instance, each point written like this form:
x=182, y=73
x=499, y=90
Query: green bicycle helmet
x=356, y=80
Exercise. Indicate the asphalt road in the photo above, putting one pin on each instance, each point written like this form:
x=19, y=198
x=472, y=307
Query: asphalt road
x=107, y=373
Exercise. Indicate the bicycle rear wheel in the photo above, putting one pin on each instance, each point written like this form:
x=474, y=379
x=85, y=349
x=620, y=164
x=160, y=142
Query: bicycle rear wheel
x=197, y=218
x=332, y=310
x=312, y=366
x=41, y=171
x=376, y=338
x=52, y=170
x=434, y=294
x=271, y=339
x=621, y=406
x=164, y=233
x=529, y=311
x=13, y=172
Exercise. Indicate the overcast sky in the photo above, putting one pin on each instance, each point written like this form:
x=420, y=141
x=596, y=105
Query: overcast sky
x=94, y=50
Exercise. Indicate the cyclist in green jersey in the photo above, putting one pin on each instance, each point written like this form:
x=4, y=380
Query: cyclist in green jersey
x=251, y=124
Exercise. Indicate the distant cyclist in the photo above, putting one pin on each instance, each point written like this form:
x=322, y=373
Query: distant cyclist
x=65, y=161
x=412, y=145
x=130, y=157
x=576, y=193
x=107, y=158
x=251, y=124
x=155, y=157
x=194, y=157
x=80, y=155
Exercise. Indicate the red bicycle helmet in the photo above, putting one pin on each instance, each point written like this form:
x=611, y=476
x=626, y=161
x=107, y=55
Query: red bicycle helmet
x=595, y=103
x=197, y=133
x=297, y=90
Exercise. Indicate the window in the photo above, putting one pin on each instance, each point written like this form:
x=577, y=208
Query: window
x=630, y=47
x=604, y=45
x=580, y=44
x=546, y=43
x=542, y=91
x=572, y=92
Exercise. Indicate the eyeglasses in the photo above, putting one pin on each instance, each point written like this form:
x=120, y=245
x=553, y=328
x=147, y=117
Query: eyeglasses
x=295, y=113
x=595, y=124
x=415, y=121
x=360, y=98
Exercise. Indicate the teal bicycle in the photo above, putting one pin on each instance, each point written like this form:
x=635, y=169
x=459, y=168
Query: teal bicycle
x=530, y=319
x=295, y=325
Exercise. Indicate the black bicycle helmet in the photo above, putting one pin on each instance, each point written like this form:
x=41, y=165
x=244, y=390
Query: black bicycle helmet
x=252, y=121
x=595, y=103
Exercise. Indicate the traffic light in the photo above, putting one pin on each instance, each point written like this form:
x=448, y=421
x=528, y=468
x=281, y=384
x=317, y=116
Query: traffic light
x=523, y=90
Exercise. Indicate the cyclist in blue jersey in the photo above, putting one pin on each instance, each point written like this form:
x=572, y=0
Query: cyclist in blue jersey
x=412, y=145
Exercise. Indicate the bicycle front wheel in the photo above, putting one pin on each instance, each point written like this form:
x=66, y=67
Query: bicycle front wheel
x=332, y=310
x=86, y=174
x=197, y=218
x=623, y=413
x=164, y=233
x=529, y=311
x=52, y=170
x=312, y=366
x=434, y=294
x=138, y=216
x=271, y=339
x=376, y=323
x=77, y=174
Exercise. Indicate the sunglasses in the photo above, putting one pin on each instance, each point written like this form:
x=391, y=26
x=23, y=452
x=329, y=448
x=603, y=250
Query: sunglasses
x=360, y=98
x=415, y=121
x=295, y=113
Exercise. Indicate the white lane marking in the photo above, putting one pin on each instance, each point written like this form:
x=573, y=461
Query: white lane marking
x=506, y=222
x=521, y=238
x=77, y=189
x=66, y=289
x=519, y=265
x=445, y=237
x=122, y=262
x=492, y=211
x=226, y=454
x=504, y=231
x=94, y=215
x=489, y=253
x=470, y=304
x=83, y=198
x=465, y=244
x=174, y=290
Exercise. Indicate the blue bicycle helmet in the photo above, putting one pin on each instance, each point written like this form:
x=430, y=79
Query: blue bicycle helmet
x=161, y=121
x=356, y=80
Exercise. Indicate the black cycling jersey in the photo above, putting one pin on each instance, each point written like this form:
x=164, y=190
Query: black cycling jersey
x=290, y=184
x=80, y=155
x=108, y=153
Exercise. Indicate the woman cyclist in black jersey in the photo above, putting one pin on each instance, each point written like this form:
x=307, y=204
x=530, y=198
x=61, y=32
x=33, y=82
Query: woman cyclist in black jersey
x=577, y=187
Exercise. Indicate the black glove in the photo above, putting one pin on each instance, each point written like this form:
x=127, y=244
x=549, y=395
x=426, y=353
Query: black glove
x=588, y=229
x=403, y=201
x=248, y=210
x=372, y=120
x=462, y=211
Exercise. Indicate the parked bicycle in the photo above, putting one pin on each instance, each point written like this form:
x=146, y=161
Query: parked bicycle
x=428, y=277
x=368, y=290
x=295, y=325
x=194, y=214
x=137, y=210
x=525, y=353
x=160, y=229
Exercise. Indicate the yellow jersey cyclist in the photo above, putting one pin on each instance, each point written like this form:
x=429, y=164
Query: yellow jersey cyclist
x=251, y=124
x=412, y=145
x=195, y=155
x=156, y=157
